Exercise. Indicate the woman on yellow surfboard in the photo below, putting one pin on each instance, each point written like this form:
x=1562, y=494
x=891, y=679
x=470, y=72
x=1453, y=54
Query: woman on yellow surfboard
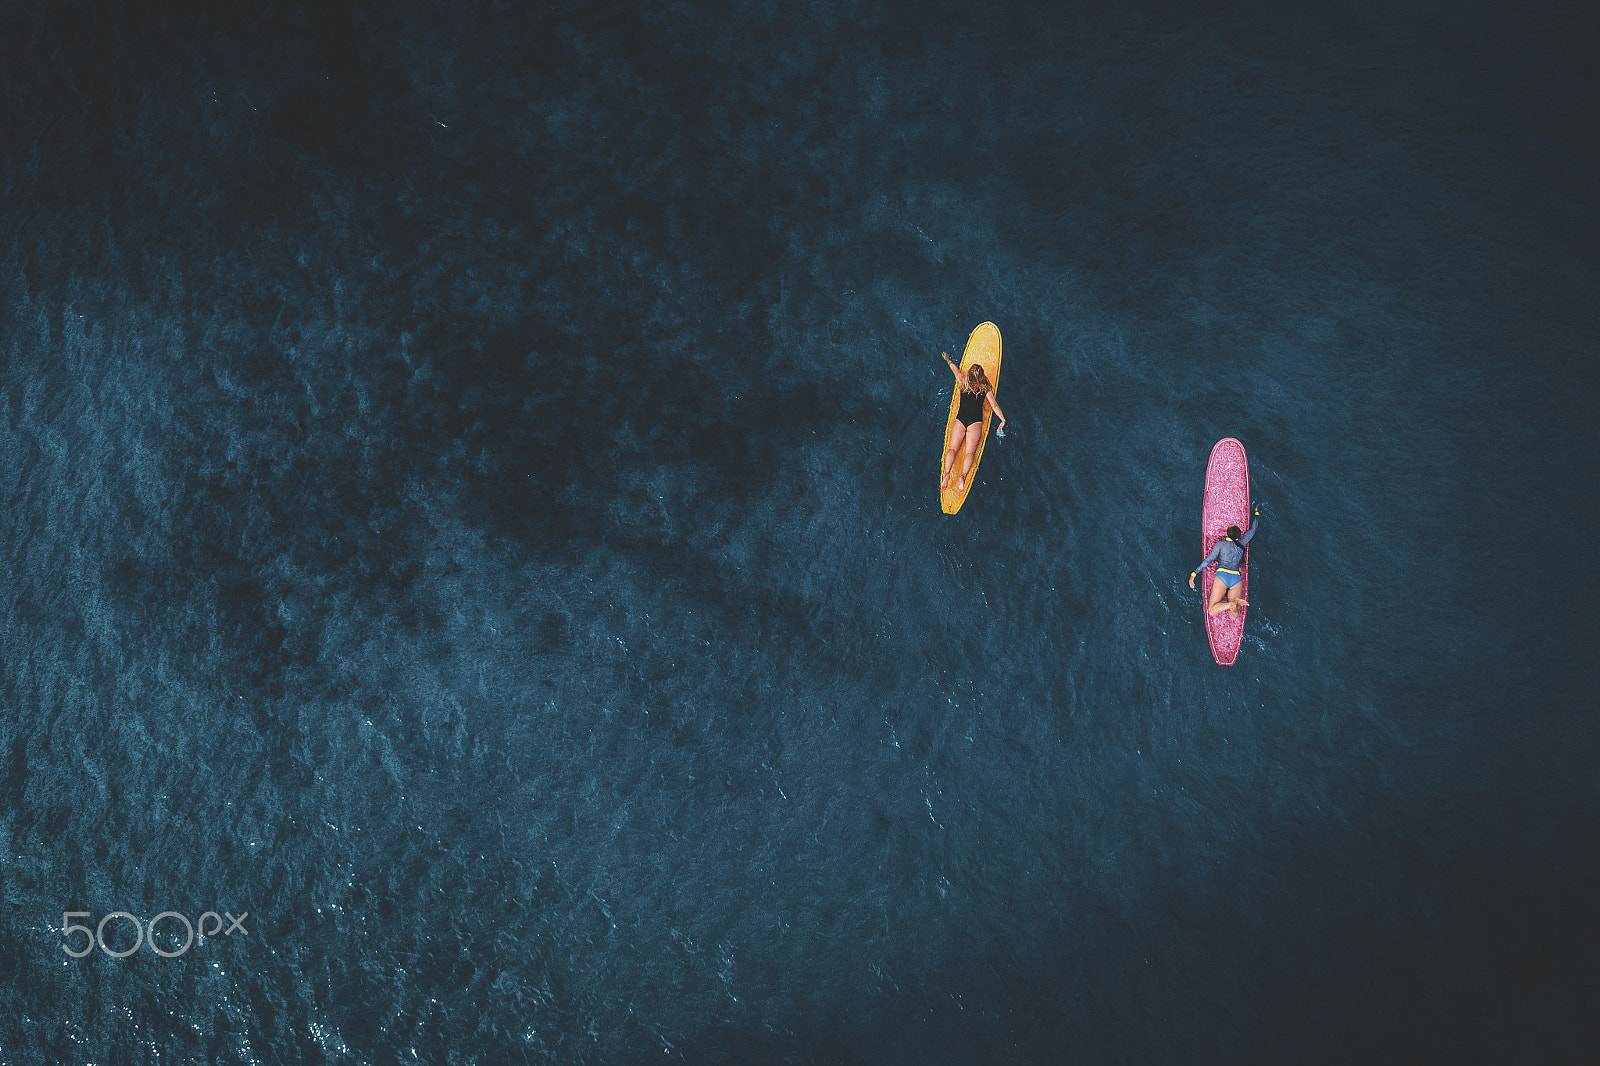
x=966, y=428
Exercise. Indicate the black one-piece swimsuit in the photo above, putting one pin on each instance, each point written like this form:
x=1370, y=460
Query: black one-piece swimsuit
x=971, y=411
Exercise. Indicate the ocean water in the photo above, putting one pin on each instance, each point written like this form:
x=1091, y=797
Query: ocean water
x=471, y=518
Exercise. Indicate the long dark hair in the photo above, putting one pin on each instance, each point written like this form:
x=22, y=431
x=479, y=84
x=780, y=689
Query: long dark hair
x=1234, y=534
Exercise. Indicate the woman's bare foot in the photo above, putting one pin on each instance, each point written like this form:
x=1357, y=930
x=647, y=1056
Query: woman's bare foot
x=945, y=483
x=961, y=484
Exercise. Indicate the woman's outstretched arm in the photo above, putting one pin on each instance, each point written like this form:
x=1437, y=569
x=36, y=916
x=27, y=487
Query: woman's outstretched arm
x=1216, y=551
x=956, y=370
x=995, y=404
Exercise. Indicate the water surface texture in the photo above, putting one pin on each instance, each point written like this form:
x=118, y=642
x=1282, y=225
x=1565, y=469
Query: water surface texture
x=470, y=490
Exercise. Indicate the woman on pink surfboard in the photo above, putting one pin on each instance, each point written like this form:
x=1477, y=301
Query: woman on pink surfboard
x=1228, y=554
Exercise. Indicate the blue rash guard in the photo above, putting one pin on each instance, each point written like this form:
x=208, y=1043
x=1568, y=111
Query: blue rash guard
x=1227, y=554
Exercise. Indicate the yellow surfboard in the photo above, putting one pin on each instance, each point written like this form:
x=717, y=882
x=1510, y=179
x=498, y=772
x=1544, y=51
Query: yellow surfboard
x=982, y=347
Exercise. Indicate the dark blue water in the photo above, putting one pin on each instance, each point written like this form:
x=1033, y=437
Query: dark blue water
x=470, y=505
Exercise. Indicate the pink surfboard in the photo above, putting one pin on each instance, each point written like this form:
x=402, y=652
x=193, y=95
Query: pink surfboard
x=1227, y=503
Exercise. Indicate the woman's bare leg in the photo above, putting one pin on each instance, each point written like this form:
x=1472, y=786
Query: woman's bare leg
x=1218, y=589
x=1231, y=603
x=974, y=435
x=957, y=435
